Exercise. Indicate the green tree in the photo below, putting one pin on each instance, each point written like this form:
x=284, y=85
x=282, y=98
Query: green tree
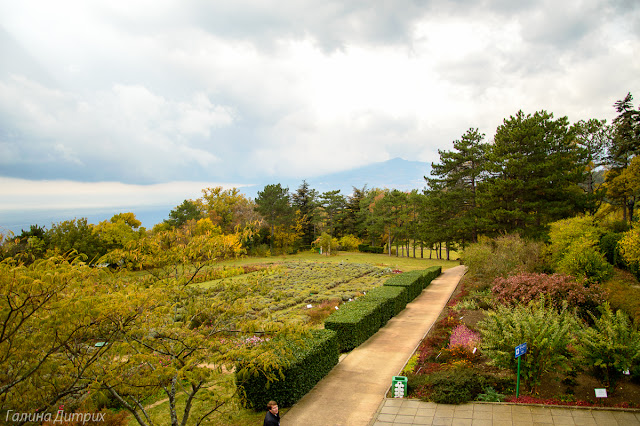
x=188, y=210
x=118, y=231
x=626, y=133
x=455, y=181
x=78, y=235
x=353, y=220
x=226, y=208
x=534, y=168
x=304, y=200
x=593, y=137
x=333, y=205
x=273, y=203
x=52, y=313
x=373, y=224
x=624, y=146
x=187, y=334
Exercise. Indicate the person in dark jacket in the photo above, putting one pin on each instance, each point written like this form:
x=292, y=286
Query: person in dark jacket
x=272, y=418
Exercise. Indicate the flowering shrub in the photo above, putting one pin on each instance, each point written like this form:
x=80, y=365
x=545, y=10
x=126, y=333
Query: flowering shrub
x=462, y=336
x=558, y=288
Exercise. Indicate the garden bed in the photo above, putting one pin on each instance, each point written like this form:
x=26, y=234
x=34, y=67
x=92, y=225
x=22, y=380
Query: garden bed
x=575, y=389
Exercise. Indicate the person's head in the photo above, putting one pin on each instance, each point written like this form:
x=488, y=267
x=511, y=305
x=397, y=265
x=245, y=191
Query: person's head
x=273, y=407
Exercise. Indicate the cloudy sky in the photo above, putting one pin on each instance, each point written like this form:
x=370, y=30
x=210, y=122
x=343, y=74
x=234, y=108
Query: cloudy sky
x=104, y=100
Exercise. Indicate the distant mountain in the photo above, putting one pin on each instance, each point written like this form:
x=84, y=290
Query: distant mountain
x=396, y=173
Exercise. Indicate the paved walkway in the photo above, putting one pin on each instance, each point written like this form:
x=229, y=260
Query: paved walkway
x=354, y=392
x=351, y=394
x=408, y=412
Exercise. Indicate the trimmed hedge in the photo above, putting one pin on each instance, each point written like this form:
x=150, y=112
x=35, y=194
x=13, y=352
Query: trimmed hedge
x=354, y=323
x=396, y=297
x=313, y=359
x=366, y=248
x=431, y=274
x=414, y=281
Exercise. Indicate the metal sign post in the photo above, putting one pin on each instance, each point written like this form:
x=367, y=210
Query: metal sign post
x=521, y=349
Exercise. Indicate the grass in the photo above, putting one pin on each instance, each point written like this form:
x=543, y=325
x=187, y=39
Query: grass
x=383, y=260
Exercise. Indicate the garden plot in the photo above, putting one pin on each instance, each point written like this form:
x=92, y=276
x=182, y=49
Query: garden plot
x=288, y=289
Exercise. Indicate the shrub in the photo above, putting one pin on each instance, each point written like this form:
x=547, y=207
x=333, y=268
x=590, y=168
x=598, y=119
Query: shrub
x=547, y=332
x=623, y=293
x=558, y=288
x=454, y=386
x=611, y=345
x=565, y=233
x=349, y=243
x=396, y=297
x=609, y=247
x=354, y=323
x=366, y=248
x=414, y=281
x=585, y=261
x=506, y=255
x=303, y=365
x=462, y=336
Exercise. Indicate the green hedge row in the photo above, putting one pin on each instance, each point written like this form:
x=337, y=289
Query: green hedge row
x=393, y=299
x=313, y=358
x=355, y=322
x=366, y=248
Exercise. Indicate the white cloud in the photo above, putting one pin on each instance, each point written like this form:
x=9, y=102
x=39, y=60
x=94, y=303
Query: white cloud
x=230, y=91
x=19, y=194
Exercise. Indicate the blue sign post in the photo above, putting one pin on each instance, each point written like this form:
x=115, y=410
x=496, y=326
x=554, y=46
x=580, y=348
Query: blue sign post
x=521, y=349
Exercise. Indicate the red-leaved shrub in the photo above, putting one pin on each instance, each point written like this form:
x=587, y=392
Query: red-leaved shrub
x=523, y=288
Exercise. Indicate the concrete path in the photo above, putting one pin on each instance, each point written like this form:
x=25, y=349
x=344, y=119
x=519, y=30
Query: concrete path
x=352, y=393
x=408, y=412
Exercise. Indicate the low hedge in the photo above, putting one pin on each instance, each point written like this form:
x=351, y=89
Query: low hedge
x=395, y=297
x=431, y=274
x=414, y=281
x=366, y=248
x=313, y=358
x=355, y=322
